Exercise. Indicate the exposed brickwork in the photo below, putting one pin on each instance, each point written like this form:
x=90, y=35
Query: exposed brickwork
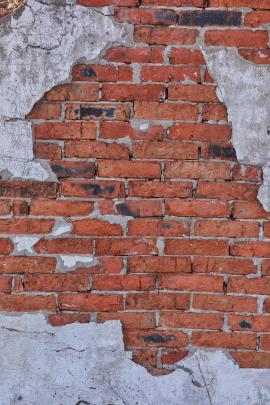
x=142, y=142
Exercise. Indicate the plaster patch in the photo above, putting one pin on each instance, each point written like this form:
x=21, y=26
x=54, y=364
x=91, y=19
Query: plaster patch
x=71, y=262
x=38, y=46
x=245, y=89
x=24, y=244
x=79, y=364
x=61, y=227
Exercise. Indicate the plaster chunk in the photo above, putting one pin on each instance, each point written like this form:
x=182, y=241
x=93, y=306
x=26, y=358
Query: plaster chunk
x=39, y=44
x=24, y=244
x=78, y=364
x=72, y=262
x=245, y=89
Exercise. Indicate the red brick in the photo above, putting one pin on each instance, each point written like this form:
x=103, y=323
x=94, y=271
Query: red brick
x=126, y=169
x=145, y=357
x=5, y=207
x=229, y=265
x=200, y=132
x=190, y=320
x=197, y=208
x=65, y=169
x=145, y=16
x=257, y=18
x=162, y=264
x=197, y=170
x=230, y=229
x=251, y=249
x=227, y=191
x=252, y=323
x=239, y=38
x=6, y=246
x=224, y=340
x=252, y=359
x=195, y=93
x=159, y=189
x=249, y=210
x=133, y=208
x=123, y=282
x=185, y=56
x=240, y=3
x=124, y=246
x=65, y=319
x=45, y=111
x=105, y=265
x=214, y=112
x=131, y=92
x=22, y=264
x=158, y=227
x=224, y=303
x=190, y=282
x=65, y=130
x=95, y=227
x=249, y=285
x=266, y=229
x=247, y=173
x=102, y=73
x=93, y=189
x=96, y=150
x=135, y=55
x=20, y=208
x=91, y=302
x=266, y=268
x=5, y=284
x=112, y=130
x=74, y=92
x=174, y=3
x=258, y=56
x=56, y=282
x=165, y=111
x=165, y=36
x=24, y=303
x=170, y=73
x=64, y=246
x=48, y=151
x=27, y=189
x=204, y=18
x=165, y=150
x=171, y=356
x=26, y=226
x=265, y=342
x=103, y=3
x=157, y=301
x=155, y=337
x=130, y=320
x=61, y=208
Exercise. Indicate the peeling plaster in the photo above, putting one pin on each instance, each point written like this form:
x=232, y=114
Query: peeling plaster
x=24, y=244
x=38, y=46
x=66, y=263
x=245, y=89
x=78, y=364
x=61, y=227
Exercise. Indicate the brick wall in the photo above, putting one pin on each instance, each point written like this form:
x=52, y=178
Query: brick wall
x=149, y=181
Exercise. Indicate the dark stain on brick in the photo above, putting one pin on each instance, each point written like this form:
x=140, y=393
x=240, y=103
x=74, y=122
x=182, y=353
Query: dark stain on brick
x=96, y=112
x=245, y=324
x=166, y=225
x=215, y=17
x=166, y=17
x=222, y=151
x=94, y=189
x=89, y=72
x=109, y=189
x=63, y=171
x=157, y=338
x=124, y=209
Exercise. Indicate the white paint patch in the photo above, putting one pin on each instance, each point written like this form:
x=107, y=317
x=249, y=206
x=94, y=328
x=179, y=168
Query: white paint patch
x=87, y=364
x=24, y=244
x=61, y=227
x=38, y=46
x=245, y=89
x=71, y=262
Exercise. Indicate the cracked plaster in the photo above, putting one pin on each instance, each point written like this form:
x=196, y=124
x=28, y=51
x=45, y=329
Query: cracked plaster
x=34, y=42
x=245, y=89
x=77, y=364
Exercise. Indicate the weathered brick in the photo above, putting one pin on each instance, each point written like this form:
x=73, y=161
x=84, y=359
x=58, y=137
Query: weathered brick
x=56, y=282
x=224, y=303
x=199, y=132
x=239, y=38
x=165, y=111
x=126, y=169
x=158, y=227
x=159, y=189
x=204, y=18
x=96, y=149
x=145, y=54
x=24, y=303
x=157, y=301
x=170, y=73
x=91, y=302
x=155, y=337
x=165, y=150
x=94, y=189
x=165, y=36
x=22, y=264
x=65, y=169
x=60, y=208
x=190, y=282
x=175, y=319
x=123, y=282
x=64, y=246
x=96, y=227
x=228, y=265
x=230, y=229
x=124, y=246
x=197, y=208
x=146, y=16
x=197, y=170
x=224, y=340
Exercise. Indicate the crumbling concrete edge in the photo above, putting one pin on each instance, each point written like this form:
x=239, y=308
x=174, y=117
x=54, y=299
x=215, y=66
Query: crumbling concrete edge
x=244, y=87
x=46, y=39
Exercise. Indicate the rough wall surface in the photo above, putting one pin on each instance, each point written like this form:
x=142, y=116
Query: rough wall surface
x=140, y=204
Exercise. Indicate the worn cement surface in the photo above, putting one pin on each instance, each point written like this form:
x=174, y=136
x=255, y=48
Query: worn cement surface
x=39, y=44
x=87, y=364
x=245, y=89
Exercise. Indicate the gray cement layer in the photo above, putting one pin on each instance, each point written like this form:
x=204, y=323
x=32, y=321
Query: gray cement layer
x=39, y=44
x=80, y=364
x=245, y=89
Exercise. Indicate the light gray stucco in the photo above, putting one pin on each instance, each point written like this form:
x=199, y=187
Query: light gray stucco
x=39, y=44
x=87, y=364
x=245, y=89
